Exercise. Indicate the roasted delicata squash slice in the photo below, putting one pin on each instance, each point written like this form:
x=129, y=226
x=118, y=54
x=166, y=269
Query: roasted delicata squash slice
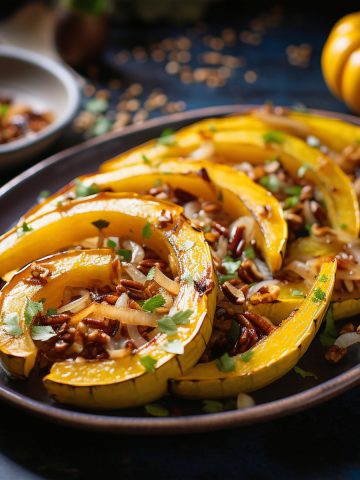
x=236, y=194
x=91, y=366
x=271, y=358
x=258, y=146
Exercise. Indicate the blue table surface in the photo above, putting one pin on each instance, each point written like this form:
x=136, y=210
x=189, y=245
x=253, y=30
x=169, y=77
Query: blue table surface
x=321, y=443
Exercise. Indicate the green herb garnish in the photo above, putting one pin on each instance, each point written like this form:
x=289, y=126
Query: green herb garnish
x=249, y=252
x=4, y=108
x=146, y=231
x=226, y=277
x=110, y=243
x=156, y=410
x=42, y=332
x=167, y=138
x=304, y=373
x=330, y=333
x=146, y=160
x=151, y=274
x=97, y=105
x=246, y=356
x=153, y=303
x=101, y=126
x=12, y=325
x=294, y=191
x=230, y=264
x=273, y=137
x=302, y=170
x=212, y=406
x=291, y=202
x=51, y=311
x=318, y=295
x=270, y=182
x=225, y=363
x=31, y=310
x=148, y=362
x=323, y=278
x=125, y=254
x=43, y=195
x=297, y=293
x=83, y=190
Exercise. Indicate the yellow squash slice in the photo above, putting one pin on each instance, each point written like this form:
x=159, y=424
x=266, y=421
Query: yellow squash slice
x=271, y=358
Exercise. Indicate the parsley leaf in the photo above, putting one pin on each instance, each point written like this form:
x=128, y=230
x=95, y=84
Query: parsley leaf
x=167, y=325
x=51, y=311
x=12, y=325
x=125, y=254
x=153, y=303
x=145, y=160
x=25, y=227
x=323, y=278
x=148, y=362
x=225, y=278
x=31, y=310
x=270, y=182
x=225, y=363
x=294, y=191
x=304, y=373
x=146, y=231
x=273, y=137
x=230, y=264
x=246, y=356
x=100, y=224
x=249, y=252
x=42, y=332
x=330, y=333
x=156, y=410
x=111, y=243
x=318, y=296
x=43, y=195
x=151, y=274
x=182, y=317
x=83, y=190
x=176, y=347
x=212, y=406
x=291, y=202
x=167, y=138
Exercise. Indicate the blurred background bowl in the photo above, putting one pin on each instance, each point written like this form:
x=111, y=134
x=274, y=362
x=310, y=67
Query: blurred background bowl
x=39, y=82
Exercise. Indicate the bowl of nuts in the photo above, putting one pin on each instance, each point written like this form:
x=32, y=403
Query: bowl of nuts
x=39, y=97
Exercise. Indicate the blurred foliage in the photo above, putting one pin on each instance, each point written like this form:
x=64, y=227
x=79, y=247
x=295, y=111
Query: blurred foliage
x=91, y=7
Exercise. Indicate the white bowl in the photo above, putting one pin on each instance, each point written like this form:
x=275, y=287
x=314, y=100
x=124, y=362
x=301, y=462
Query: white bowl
x=37, y=81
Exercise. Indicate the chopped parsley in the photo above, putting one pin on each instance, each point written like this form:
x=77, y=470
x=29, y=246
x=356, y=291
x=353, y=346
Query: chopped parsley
x=294, y=191
x=246, y=356
x=25, y=227
x=100, y=224
x=153, y=303
x=111, y=243
x=323, y=278
x=273, y=137
x=225, y=363
x=148, y=362
x=225, y=278
x=168, y=323
x=167, y=137
x=42, y=332
x=31, y=310
x=156, y=410
x=125, y=254
x=249, y=252
x=230, y=264
x=176, y=347
x=97, y=105
x=51, y=311
x=146, y=231
x=83, y=190
x=330, y=333
x=297, y=293
x=146, y=160
x=270, y=182
x=304, y=373
x=43, y=195
x=318, y=295
x=291, y=202
x=151, y=274
x=12, y=325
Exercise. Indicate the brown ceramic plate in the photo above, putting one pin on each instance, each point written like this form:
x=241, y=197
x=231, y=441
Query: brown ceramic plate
x=288, y=395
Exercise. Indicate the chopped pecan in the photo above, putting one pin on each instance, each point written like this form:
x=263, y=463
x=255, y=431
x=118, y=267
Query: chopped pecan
x=266, y=294
x=235, y=295
x=237, y=243
x=260, y=322
x=249, y=272
x=318, y=211
x=334, y=354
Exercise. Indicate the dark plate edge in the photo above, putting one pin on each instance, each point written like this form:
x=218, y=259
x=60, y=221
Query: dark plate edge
x=176, y=425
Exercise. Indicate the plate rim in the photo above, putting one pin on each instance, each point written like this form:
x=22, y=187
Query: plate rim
x=182, y=424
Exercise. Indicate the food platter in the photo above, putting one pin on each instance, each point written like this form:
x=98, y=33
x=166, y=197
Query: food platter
x=290, y=394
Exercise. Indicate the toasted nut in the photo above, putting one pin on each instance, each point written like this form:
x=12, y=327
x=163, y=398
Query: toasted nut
x=334, y=354
x=294, y=220
x=249, y=272
x=263, y=323
x=234, y=294
x=268, y=294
